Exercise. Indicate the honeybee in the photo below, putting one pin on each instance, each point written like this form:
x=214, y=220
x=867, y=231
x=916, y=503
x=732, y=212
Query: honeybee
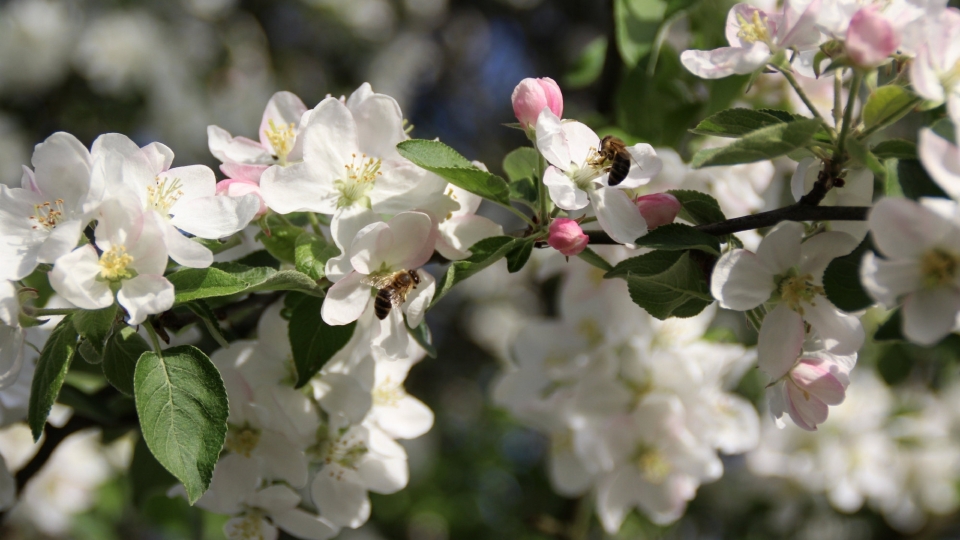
x=392, y=290
x=614, y=150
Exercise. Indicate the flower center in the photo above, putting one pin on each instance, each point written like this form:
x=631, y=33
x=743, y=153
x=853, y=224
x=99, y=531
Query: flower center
x=162, y=196
x=281, y=138
x=242, y=441
x=797, y=289
x=248, y=528
x=47, y=215
x=114, y=262
x=360, y=175
x=652, y=463
x=591, y=331
x=453, y=196
x=346, y=452
x=387, y=394
x=755, y=30
x=938, y=268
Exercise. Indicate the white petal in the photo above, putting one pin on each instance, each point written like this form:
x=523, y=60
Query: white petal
x=159, y=155
x=458, y=233
x=740, y=281
x=11, y=362
x=346, y=300
x=781, y=340
x=146, y=246
x=645, y=166
x=414, y=236
x=344, y=226
x=8, y=486
x=62, y=240
x=62, y=167
x=341, y=496
x=550, y=140
x=74, y=277
x=886, y=280
x=343, y=395
x=615, y=497
x=563, y=192
x=725, y=61
x=305, y=525
x=780, y=249
x=238, y=528
x=392, y=341
x=841, y=332
x=9, y=303
x=403, y=186
x=419, y=299
x=185, y=251
x=297, y=188
x=384, y=469
x=929, y=315
x=618, y=215
x=369, y=247
x=379, y=125
x=284, y=108
x=904, y=229
x=817, y=252
x=234, y=479
x=942, y=161
x=145, y=295
x=229, y=149
x=406, y=418
x=282, y=460
x=567, y=474
x=215, y=216
x=195, y=181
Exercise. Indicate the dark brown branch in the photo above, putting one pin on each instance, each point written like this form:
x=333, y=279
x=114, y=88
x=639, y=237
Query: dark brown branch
x=796, y=212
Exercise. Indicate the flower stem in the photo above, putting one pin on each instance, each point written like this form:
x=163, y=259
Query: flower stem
x=848, y=115
x=315, y=223
x=803, y=95
x=154, y=338
x=47, y=312
x=837, y=99
x=580, y=528
x=543, y=216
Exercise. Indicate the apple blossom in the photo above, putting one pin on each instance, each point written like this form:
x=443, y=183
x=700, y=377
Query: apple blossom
x=567, y=237
x=935, y=73
x=459, y=226
x=920, y=245
x=279, y=143
x=577, y=176
x=237, y=187
x=941, y=159
x=755, y=37
x=129, y=259
x=817, y=380
x=786, y=274
x=871, y=38
x=44, y=218
x=658, y=209
x=533, y=95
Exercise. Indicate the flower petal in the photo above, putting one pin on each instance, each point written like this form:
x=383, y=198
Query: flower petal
x=346, y=300
x=781, y=340
x=62, y=166
x=780, y=249
x=61, y=241
x=942, y=161
x=550, y=140
x=645, y=166
x=563, y=192
x=887, y=281
x=904, y=229
x=340, y=496
x=618, y=215
x=186, y=251
x=814, y=376
x=841, y=332
x=145, y=295
x=930, y=314
x=74, y=277
x=458, y=233
x=215, y=216
x=297, y=188
x=725, y=61
x=806, y=410
x=419, y=299
x=740, y=281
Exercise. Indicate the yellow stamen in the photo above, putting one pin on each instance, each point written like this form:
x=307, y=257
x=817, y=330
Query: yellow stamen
x=281, y=138
x=938, y=268
x=797, y=289
x=114, y=262
x=242, y=440
x=47, y=215
x=162, y=196
x=653, y=464
x=755, y=30
x=359, y=177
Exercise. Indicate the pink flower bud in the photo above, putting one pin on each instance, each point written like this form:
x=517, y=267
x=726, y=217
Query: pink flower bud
x=567, y=237
x=871, y=39
x=658, y=209
x=813, y=384
x=531, y=96
x=235, y=187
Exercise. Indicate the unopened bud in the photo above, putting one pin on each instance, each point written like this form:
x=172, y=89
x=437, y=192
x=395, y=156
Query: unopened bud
x=531, y=96
x=658, y=209
x=235, y=187
x=871, y=39
x=567, y=237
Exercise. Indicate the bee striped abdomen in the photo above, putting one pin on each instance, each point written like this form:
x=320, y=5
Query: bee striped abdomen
x=619, y=169
x=383, y=303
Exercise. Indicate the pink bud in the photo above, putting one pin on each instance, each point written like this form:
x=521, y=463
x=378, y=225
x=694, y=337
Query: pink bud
x=531, y=96
x=243, y=171
x=658, y=209
x=871, y=39
x=815, y=383
x=235, y=187
x=567, y=237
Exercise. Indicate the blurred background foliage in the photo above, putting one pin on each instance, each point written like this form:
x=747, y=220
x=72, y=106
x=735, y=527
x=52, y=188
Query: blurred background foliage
x=165, y=69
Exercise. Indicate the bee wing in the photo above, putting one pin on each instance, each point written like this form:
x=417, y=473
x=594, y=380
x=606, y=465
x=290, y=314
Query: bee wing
x=397, y=296
x=379, y=281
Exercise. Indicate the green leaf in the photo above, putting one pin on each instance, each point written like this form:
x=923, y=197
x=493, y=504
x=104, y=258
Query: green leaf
x=182, y=405
x=861, y=154
x=737, y=122
x=677, y=236
x=891, y=187
x=698, y=207
x=841, y=280
x=944, y=128
x=783, y=116
x=120, y=356
x=312, y=340
x=224, y=279
x=895, y=148
x=311, y=254
x=915, y=182
x=517, y=257
x=482, y=254
x=52, y=367
x=423, y=336
x=86, y=405
x=591, y=257
x=202, y=309
x=762, y=144
x=147, y=475
x=94, y=325
x=281, y=242
x=588, y=66
x=261, y=257
x=665, y=283
x=440, y=159
x=524, y=190
x=521, y=163
x=887, y=105
x=891, y=329
x=637, y=22
x=88, y=352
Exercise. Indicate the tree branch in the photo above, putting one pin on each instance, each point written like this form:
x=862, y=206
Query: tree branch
x=795, y=212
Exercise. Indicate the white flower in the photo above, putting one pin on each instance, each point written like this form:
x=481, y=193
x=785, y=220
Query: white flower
x=359, y=460
x=935, y=72
x=279, y=140
x=380, y=250
x=755, y=37
x=131, y=262
x=44, y=218
x=578, y=176
x=179, y=199
x=817, y=380
x=856, y=191
x=941, y=159
x=459, y=226
x=350, y=158
x=787, y=275
x=920, y=243
x=394, y=411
